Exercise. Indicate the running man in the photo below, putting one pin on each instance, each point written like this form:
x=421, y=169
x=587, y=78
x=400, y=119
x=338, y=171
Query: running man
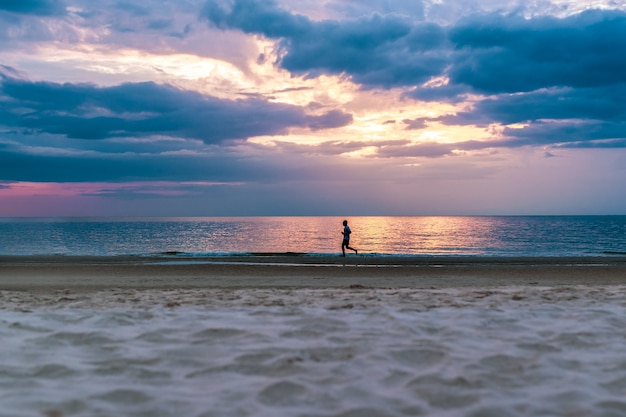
x=346, y=239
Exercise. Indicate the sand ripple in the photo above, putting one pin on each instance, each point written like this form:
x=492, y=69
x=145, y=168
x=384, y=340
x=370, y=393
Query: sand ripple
x=343, y=352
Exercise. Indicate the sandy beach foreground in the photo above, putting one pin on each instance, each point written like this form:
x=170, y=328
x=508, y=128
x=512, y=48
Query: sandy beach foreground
x=44, y=273
x=292, y=335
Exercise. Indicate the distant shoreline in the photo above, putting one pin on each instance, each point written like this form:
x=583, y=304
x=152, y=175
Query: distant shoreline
x=93, y=273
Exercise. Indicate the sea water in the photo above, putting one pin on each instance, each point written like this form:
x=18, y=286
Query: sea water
x=457, y=235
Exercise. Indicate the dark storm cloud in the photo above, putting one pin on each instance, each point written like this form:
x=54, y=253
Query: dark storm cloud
x=86, y=111
x=376, y=51
x=34, y=7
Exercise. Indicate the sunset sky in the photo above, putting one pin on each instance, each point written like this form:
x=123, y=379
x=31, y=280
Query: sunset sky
x=312, y=107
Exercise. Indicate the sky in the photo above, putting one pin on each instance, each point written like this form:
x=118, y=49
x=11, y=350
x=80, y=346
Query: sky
x=312, y=107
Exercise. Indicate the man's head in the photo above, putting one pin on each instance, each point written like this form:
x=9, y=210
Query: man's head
x=345, y=222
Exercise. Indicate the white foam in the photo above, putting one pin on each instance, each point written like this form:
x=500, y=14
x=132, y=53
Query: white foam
x=347, y=352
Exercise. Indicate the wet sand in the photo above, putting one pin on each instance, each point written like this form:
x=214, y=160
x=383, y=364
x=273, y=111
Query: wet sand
x=47, y=273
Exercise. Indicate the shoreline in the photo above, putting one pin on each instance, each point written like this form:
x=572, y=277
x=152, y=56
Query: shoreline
x=290, y=259
x=95, y=273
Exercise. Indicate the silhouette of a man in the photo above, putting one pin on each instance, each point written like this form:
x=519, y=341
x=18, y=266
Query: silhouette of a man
x=346, y=238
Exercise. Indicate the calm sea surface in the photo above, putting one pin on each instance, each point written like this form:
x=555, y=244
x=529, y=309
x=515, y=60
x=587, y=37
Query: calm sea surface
x=479, y=236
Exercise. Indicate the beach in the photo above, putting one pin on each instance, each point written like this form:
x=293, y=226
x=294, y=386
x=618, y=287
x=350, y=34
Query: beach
x=293, y=335
x=41, y=273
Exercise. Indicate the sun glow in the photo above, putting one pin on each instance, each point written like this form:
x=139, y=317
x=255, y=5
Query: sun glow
x=378, y=115
x=133, y=65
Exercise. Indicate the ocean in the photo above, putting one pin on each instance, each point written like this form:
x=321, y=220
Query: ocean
x=311, y=236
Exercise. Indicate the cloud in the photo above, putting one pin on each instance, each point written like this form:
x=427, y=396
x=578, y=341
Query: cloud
x=376, y=51
x=415, y=124
x=489, y=54
x=337, y=147
x=86, y=111
x=142, y=131
x=33, y=7
x=601, y=103
x=398, y=149
x=384, y=149
x=571, y=134
x=132, y=8
x=555, y=116
x=563, y=77
x=509, y=54
x=455, y=93
x=20, y=163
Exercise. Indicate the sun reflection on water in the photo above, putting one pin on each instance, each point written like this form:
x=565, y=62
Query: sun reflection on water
x=423, y=235
x=493, y=236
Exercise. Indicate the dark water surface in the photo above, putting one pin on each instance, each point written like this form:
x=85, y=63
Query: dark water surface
x=420, y=235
